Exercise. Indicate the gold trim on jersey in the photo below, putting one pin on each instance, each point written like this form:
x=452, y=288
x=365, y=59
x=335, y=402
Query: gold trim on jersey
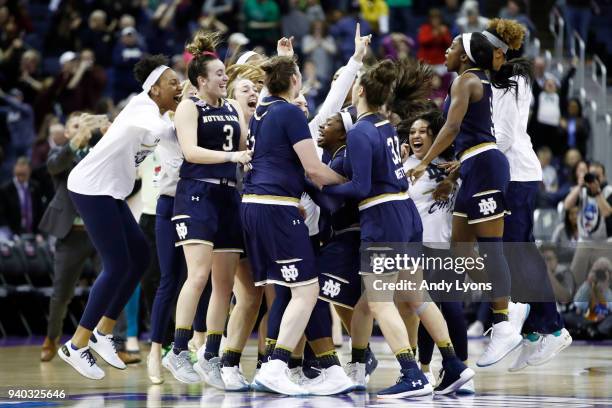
x=460, y=214
x=474, y=150
x=179, y=217
x=288, y=261
x=336, y=152
x=193, y=241
x=381, y=123
x=230, y=250
x=270, y=199
x=485, y=193
x=335, y=277
x=352, y=228
x=492, y=217
x=333, y=302
x=382, y=198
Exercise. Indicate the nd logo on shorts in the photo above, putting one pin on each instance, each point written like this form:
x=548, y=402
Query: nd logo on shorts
x=289, y=272
x=181, y=230
x=330, y=288
x=487, y=206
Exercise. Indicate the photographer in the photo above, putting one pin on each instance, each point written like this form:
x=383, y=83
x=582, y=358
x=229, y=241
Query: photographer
x=73, y=246
x=593, y=196
x=593, y=303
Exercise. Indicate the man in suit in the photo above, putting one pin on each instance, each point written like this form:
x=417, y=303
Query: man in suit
x=73, y=246
x=21, y=201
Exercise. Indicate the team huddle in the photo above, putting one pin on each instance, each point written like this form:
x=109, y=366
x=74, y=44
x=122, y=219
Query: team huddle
x=273, y=206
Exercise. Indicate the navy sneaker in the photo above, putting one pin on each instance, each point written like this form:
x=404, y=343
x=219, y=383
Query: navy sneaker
x=370, y=364
x=452, y=376
x=412, y=383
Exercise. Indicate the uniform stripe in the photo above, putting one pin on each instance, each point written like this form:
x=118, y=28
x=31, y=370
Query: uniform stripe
x=335, y=277
x=288, y=261
x=193, y=241
x=345, y=230
x=492, y=217
x=474, y=150
x=229, y=250
x=460, y=214
x=381, y=123
x=287, y=284
x=382, y=198
x=333, y=302
x=485, y=193
x=270, y=199
x=180, y=217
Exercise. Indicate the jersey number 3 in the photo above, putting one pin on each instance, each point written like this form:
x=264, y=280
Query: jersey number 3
x=228, y=131
x=393, y=143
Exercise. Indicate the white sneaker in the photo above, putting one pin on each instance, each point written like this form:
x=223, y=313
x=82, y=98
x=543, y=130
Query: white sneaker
x=180, y=367
x=430, y=378
x=331, y=381
x=517, y=314
x=274, y=376
x=154, y=370
x=81, y=360
x=467, y=388
x=210, y=372
x=297, y=375
x=106, y=348
x=233, y=379
x=550, y=346
x=356, y=373
x=528, y=348
x=504, y=339
x=476, y=329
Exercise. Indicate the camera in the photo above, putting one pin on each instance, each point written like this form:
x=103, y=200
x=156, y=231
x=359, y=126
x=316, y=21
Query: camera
x=590, y=177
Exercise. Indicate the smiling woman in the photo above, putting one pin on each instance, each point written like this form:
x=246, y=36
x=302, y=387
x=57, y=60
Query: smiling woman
x=98, y=186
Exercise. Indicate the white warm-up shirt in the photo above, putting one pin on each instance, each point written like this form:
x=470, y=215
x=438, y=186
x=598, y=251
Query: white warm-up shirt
x=110, y=167
x=171, y=158
x=510, y=116
x=436, y=216
x=332, y=105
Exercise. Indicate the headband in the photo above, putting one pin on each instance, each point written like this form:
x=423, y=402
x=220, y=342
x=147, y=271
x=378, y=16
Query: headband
x=153, y=77
x=347, y=120
x=465, y=40
x=209, y=53
x=245, y=57
x=495, y=41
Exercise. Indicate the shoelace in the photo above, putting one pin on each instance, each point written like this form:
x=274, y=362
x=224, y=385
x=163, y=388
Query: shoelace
x=181, y=360
x=116, y=342
x=86, y=354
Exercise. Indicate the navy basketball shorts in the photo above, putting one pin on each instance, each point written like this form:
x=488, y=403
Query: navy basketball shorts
x=392, y=222
x=206, y=213
x=279, y=248
x=484, y=181
x=338, y=267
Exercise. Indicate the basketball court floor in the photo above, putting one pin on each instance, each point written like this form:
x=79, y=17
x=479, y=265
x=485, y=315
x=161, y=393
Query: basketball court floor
x=581, y=376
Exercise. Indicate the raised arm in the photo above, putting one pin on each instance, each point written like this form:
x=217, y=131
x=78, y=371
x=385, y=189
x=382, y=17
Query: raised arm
x=460, y=99
x=186, y=123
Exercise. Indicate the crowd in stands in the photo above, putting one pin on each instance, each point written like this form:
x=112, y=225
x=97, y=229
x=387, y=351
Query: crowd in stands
x=63, y=56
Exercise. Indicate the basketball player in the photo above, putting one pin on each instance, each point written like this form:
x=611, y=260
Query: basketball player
x=479, y=210
x=543, y=333
x=436, y=215
x=98, y=186
x=210, y=130
x=277, y=239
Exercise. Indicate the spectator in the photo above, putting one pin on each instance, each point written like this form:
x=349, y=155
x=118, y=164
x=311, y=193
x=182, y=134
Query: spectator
x=376, y=13
x=593, y=196
x=223, y=10
x=262, y=22
x=450, y=12
x=20, y=123
x=574, y=128
x=41, y=147
x=320, y=48
x=400, y=17
x=566, y=172
x=343, y=31
x=235, y=42
x=397, y=45
x=97, y=37
x=577, y=18
x=311, y=85
x=593, y=302
x=549, y=174
x=471, y=21
x=314, y=11
x=565, y=235
x=539, y=70
x=295, y=23
x=126, y=54
x=547, y=115
x=179, y=66
x=515, y=10
x=21, y=203
x=560, y=276
x=31, y=83
x=434, y=38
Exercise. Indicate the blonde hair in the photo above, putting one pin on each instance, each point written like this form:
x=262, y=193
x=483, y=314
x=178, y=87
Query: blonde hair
x=244, y=71
x=509, y=31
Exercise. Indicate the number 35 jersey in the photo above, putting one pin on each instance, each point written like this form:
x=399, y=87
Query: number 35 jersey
x=218, y=129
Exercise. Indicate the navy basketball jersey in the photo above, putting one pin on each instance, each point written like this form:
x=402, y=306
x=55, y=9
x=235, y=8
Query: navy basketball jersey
x=275, y=167
x=388, y=175
x=218, y=129
x=477, y=125
x=348, y=214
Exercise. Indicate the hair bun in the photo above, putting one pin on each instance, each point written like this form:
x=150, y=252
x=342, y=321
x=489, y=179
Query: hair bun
x=203, y=41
